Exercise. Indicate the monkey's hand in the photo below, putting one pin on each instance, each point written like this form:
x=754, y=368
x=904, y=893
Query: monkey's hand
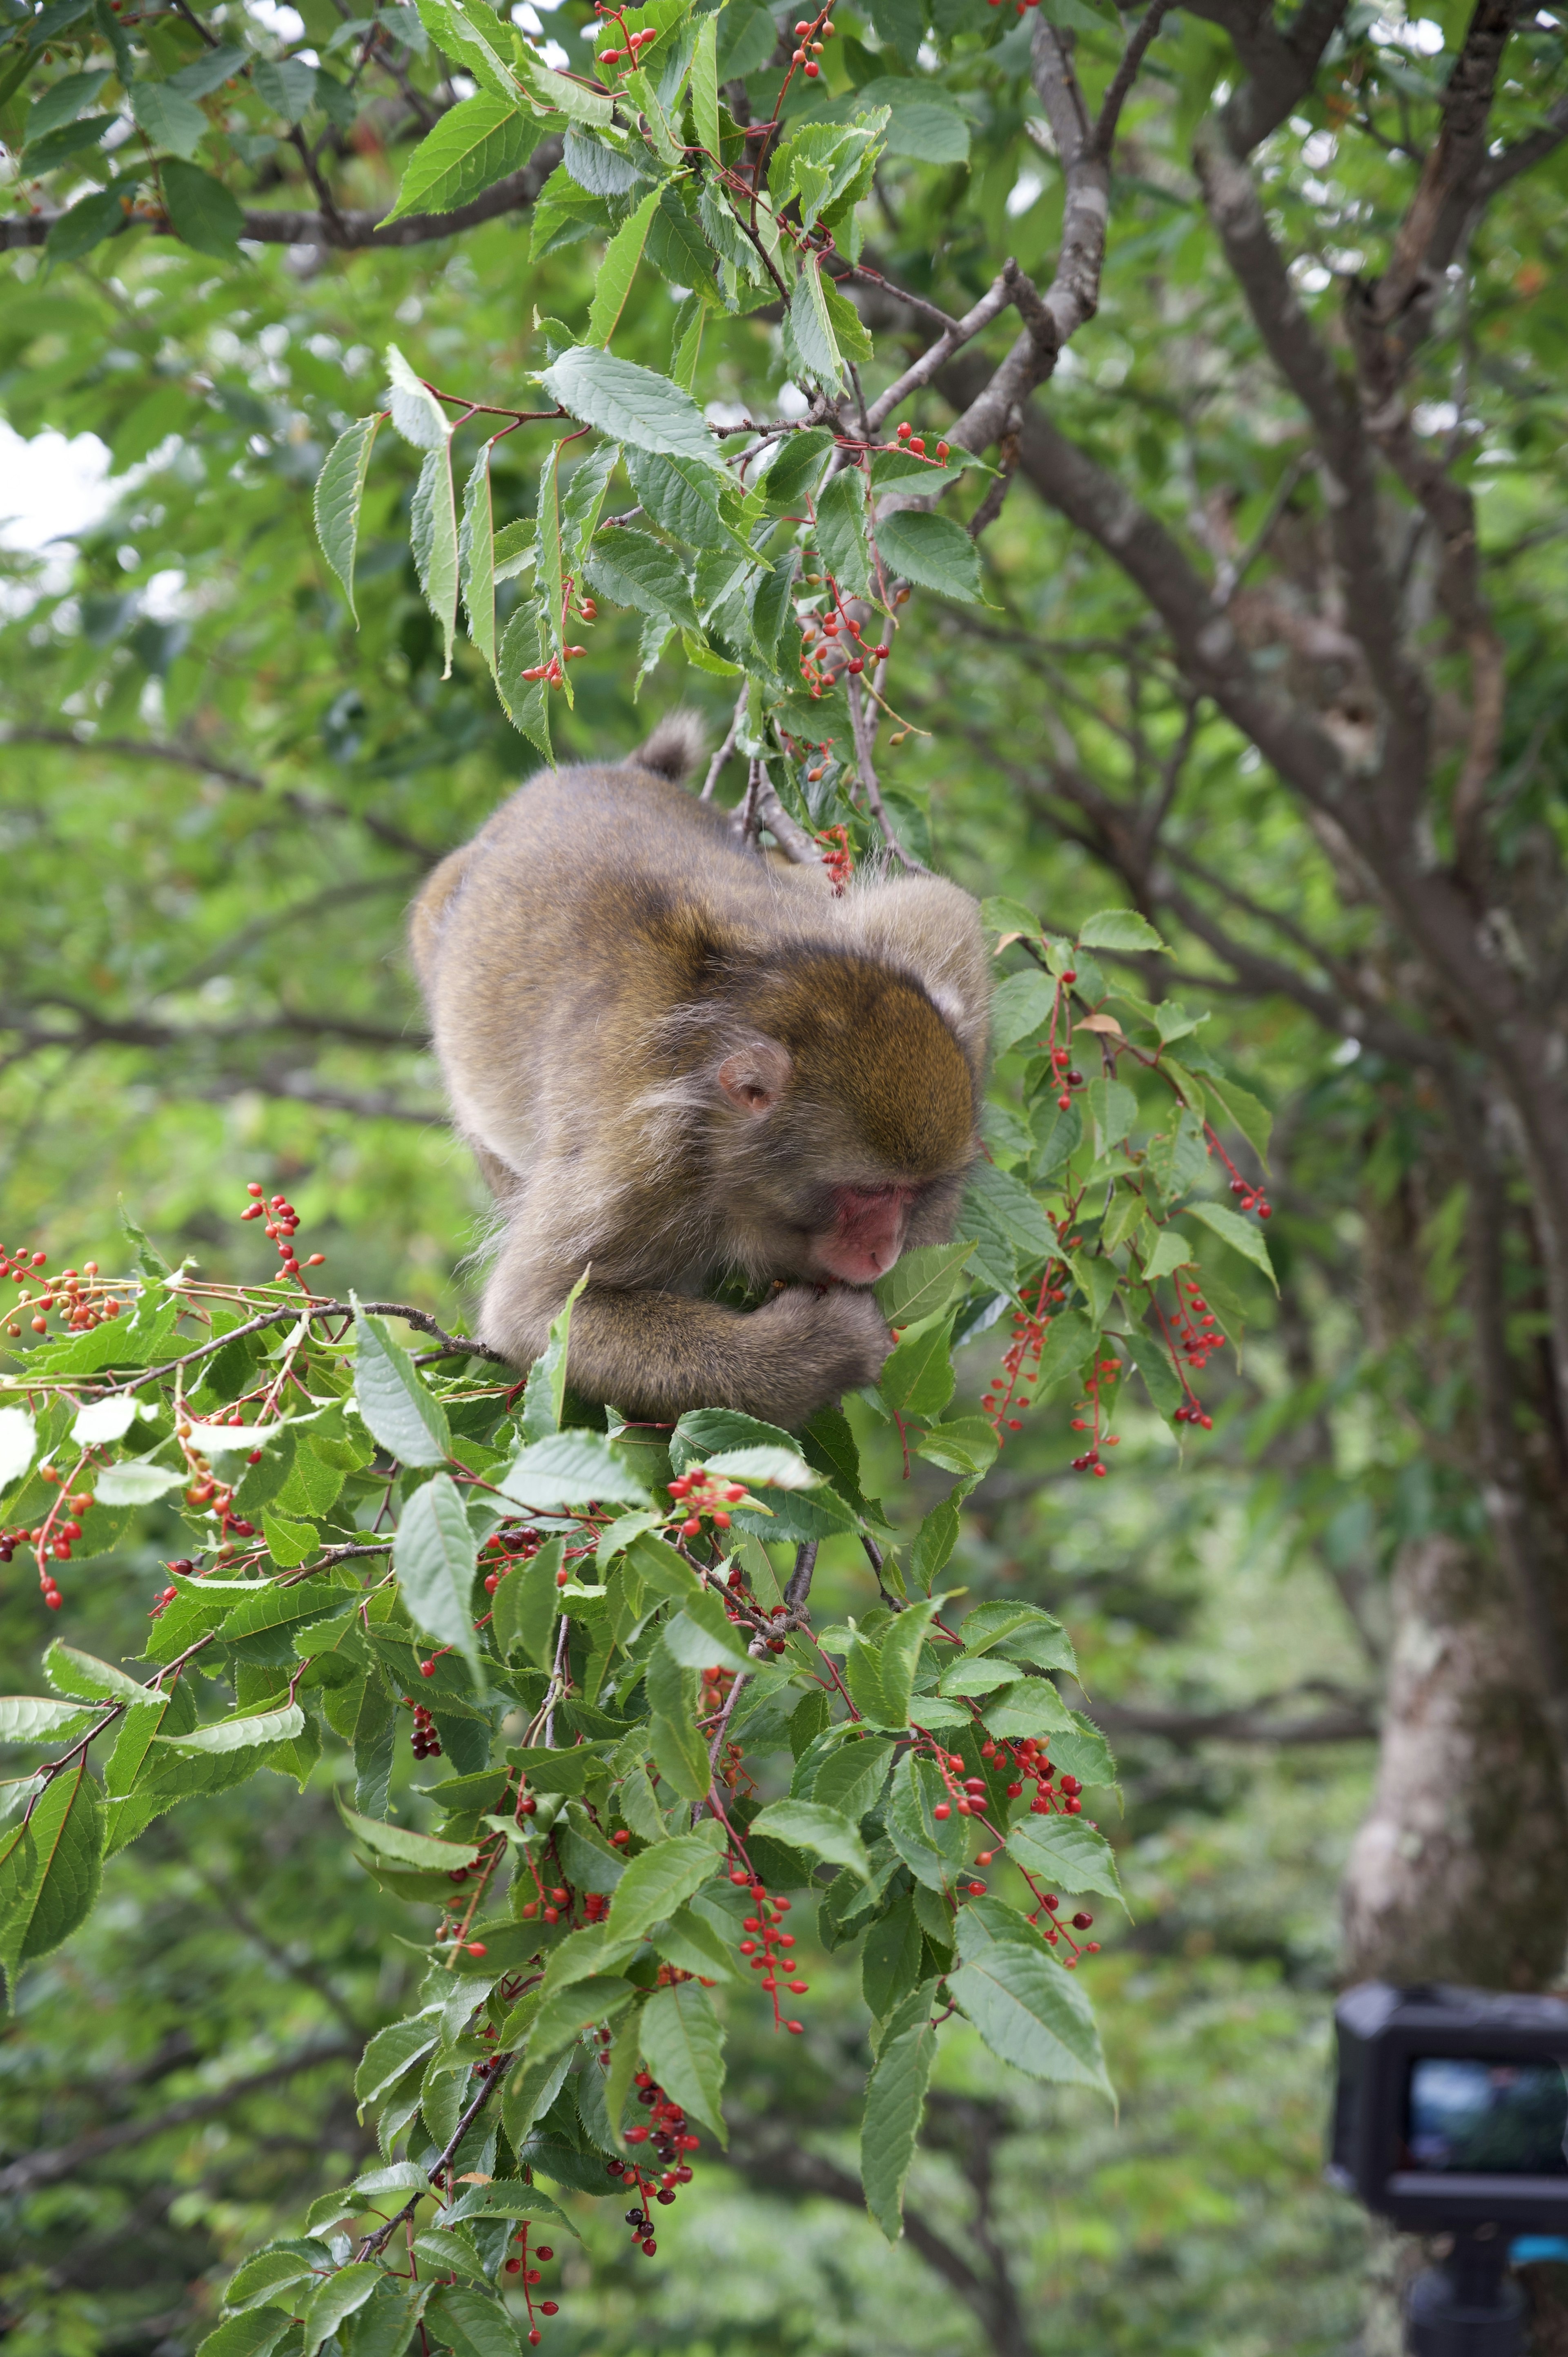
x=837, y=1336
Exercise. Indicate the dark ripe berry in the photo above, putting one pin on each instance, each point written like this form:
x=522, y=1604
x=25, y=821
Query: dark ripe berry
x=547, y=2307
x=666, y=2198
x=1081, y=1922
x=615, y=2168
x=512, y=2266
x=545, y=2251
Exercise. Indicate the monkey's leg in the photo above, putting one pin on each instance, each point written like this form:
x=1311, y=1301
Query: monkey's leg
x=655, y=1355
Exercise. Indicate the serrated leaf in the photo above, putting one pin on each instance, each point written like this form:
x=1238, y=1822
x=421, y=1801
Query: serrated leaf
x=287, y=87
x=612, y=284
x=435, y=1555
x=894, y=2103
x=453, y=30
x=632, y=404
x=398, y=1407
x=570, y=1468
x=1030, y=2012
x=1119, y=929
x=51, y=1870
x=243, y=1732
x=1249, y=1113
x=1172, y=1251
x=566, y=2012
x=403, y=1847
x=916, y=1378
x=1020, y=1007
x=842, y=533
x=658, y=1882
x=1234, y=1231
x=469, y=2324
x=339, y=488
x=701, y=1637
x=256, y=2335
x=171, y=121
x=38, y=1719
x=475, y=144
x=813, y=1826
x=633, y=568
x=390, y=2052
x=337, y=2297
x=75, y=1672
x=1115, y=1109
x=432, y=536
x=930, y=551
x=1068, y=1854
x=704, y=87
x=202, y=212
x=477, y=558
x=810, y=325
x=683, y=2045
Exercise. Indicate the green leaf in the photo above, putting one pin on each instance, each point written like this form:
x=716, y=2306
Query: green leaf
x=1115, y=1109
x=415, y=412
x=810, y=325
x=49, y=151
x=797, y=466
x=524, y=1616
x=390, y=2052
x=932, y=551
x=683, y=2045
x=1236, y=1232
x=894, y=2103
x=468, y=2322
x=633, y=568
x=62, y=101
x=453, y=30
x=398, y=1407
x=339, y=2297
x=210, y=71
x=339, y=488
x=811, y=1825
x=476, y=144
x=633, y=404
x=75, y=1672
x=37, y=1719
x=51, y=1870
x=1004, y=1218
x=569, y=1470
x=201, y=211
x=683, y=500
x=560, y=92
x=525, y=701
x=505, y=2198
x=658, y=1882
x=435, y=1555
x=701, y=1637
x=1066, y=1852
x=679, y=1747
x=1119, y=929
x=403, y=1845
x=289, y=1543
x=288, y=88
x=916, y=1378
x=842, y=536
x=900, y=1655
x=242, y=1732
x=1249, y=1113
x=566, y=2012
x=1172, y=1251
x=246, y=2335
x=1030, y=2012
x=704, y=87
x=169, y=118
x=1020, y=1006
x=967, y=1444
x=432, y=531
x=619, y=268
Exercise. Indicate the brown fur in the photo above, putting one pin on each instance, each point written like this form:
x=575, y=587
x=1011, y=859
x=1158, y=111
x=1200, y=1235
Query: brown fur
x=670, y=1058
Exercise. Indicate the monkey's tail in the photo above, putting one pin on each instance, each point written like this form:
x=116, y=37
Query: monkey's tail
x=675, y=747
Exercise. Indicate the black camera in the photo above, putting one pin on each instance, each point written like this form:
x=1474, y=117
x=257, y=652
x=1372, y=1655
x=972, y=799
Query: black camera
x=1451, y=2117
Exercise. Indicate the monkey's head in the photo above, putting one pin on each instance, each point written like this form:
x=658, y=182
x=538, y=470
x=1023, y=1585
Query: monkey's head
x=846, y=1122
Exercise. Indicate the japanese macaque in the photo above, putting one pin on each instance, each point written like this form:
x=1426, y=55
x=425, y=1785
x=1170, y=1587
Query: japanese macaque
x=678, y=1062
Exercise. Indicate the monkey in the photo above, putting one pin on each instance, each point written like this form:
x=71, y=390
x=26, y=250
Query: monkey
x=678, y=1062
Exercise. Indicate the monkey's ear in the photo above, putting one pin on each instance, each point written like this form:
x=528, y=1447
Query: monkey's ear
x=756, y=1076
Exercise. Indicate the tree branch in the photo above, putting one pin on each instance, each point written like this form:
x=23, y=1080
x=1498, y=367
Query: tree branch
x=46, y=2167
x=1352, y=1719
x=345, y=231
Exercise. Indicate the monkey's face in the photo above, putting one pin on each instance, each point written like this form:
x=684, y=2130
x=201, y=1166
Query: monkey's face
x=849, y=1143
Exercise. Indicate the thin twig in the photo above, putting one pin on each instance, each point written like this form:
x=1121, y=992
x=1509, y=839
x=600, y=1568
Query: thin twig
x=1126, y=74
x=726, y=749
x=866, y=765
x=383, y=2235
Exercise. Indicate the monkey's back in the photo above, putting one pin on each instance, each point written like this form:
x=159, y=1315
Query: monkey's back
x=595, y=907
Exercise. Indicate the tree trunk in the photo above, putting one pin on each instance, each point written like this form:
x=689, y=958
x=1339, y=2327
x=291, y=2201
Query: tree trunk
x=1460, y=1871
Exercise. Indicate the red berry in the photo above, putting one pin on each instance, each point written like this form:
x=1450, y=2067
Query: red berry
x=427, y=1669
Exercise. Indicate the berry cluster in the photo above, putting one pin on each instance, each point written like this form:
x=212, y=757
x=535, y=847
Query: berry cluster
x=506, y=1548
x=836, y=856
x=83, y=1300
x=282, y=1223
x=767, y=1946
x=55, y=1536
x=836, y=632
x=1021, y=1761
x=523, y=2263
x=1096, y=1404
x=637, y=46
x=427, y=1740
x=1063, y=1070
x=705, y=1494
x=1198, y=1337
x=1021, y=1364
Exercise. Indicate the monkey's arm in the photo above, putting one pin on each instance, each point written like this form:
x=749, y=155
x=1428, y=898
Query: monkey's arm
x=656, y=1355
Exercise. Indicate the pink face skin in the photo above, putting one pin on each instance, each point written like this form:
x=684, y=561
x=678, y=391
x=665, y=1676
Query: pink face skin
x=867, y=1234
